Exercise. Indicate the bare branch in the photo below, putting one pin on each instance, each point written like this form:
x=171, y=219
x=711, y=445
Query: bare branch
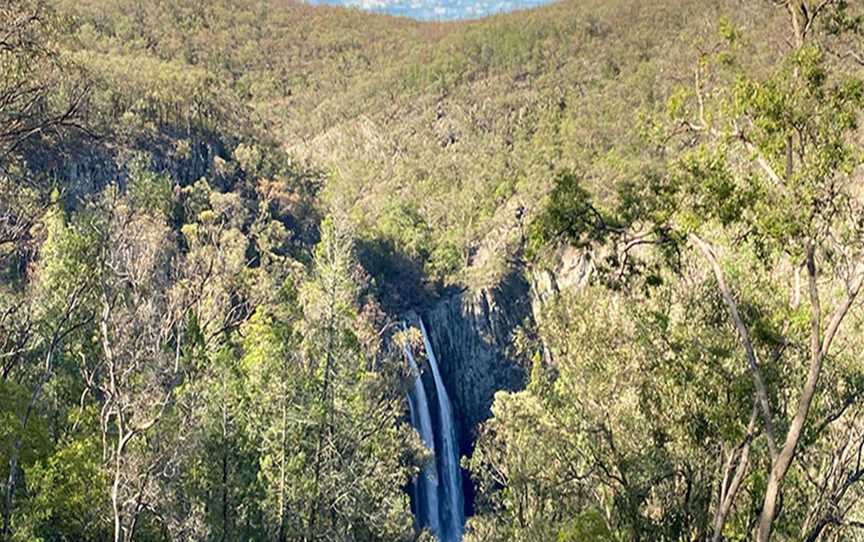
x=744, y=335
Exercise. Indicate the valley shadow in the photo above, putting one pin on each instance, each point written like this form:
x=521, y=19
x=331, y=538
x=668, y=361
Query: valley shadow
x=397, y=279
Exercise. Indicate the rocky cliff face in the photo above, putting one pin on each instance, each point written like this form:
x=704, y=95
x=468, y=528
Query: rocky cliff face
x=470, y=333
x=83, y=167
x=572, y=268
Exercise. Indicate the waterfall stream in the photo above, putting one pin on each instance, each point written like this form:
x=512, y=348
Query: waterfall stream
x=427, y=484
x=440, y=503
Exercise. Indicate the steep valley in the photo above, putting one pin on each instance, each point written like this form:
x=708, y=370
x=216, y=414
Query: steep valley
x=280, y=271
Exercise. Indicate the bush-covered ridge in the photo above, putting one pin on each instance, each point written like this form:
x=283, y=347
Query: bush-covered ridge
x=463, y=122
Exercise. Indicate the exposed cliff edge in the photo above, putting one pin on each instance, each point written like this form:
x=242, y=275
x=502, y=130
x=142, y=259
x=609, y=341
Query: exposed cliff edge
x=84, y=167
x=470, y=333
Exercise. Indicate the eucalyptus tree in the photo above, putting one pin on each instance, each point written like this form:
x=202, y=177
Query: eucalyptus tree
x=633, y=407
x=40, y=93
x=776, y=164
x=142, y=309
x=762, y=184
x=358, y=461
x=37, y=323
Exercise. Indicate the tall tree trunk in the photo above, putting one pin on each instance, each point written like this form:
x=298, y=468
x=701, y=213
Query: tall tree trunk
x=282, y=454
x=820, y=345
x=736, y=467
x=324, y=426
x=116, y=507
x=780, y=466
x=781, y=459
x=225, y=518
x=762, y=398
x=225, y=533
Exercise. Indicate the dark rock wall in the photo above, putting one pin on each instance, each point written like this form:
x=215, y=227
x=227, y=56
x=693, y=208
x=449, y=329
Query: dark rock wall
x=85, y=166
x=470, y=333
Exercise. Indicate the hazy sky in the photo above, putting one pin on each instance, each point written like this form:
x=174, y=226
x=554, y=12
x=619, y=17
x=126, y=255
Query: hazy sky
x=437, y=9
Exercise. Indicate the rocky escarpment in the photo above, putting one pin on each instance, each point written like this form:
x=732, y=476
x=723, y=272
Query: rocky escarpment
x=84, y=166
x=470, y=333
x=571, y=269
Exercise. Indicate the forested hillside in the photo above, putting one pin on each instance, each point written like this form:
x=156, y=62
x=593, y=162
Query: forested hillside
x=221, y=223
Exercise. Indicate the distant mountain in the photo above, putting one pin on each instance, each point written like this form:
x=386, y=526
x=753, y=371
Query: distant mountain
x=437, y=10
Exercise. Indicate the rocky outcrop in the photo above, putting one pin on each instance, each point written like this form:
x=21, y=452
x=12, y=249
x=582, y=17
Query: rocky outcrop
x=470, y=333
x=84, y=167
x=572, y=269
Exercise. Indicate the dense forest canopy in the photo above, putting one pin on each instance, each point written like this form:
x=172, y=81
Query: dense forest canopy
x=214, y=217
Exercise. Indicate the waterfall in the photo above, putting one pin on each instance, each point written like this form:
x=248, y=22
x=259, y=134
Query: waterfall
x=438, y=491
x=427, y=489
x=453, y=510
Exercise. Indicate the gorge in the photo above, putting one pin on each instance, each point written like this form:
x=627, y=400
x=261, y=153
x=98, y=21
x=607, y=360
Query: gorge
x=273, y=271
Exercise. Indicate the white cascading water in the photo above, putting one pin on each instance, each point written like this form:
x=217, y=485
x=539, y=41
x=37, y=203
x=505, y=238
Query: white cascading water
x=428, y=513
x=452, y=510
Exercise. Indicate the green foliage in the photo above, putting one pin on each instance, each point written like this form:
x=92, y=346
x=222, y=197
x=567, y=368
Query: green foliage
x=69, y=488
x=149, y=191
x=40, y=90
x=36, y=436
x=570, y=214
x=760, y=160
x=629, y=415
x=405, y=226
x=244, y=334
x=588, y=526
